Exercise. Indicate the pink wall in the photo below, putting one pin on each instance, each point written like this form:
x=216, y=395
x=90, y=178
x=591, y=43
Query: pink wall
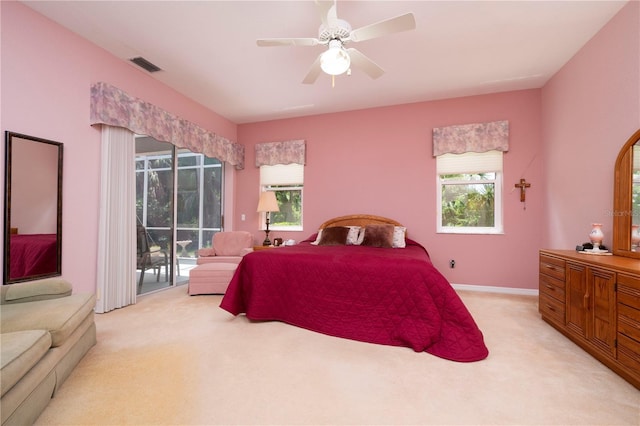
x=590, y=108
x=379, y=161
x=46, y=75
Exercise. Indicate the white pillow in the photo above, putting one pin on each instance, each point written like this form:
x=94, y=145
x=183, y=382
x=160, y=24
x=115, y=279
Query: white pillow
x=353, y=236
x=315, y=243
x=399, y=233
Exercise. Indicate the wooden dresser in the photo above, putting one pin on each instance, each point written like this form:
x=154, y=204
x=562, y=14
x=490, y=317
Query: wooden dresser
x=595, y=302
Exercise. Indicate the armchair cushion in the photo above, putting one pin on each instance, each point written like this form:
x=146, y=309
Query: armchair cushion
x=228, y=247
x=232, y=243
x=228, y=243
x=206, y=252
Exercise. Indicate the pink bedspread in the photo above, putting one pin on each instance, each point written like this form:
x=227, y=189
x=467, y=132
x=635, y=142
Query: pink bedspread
x=385, y=296
x=32, y=255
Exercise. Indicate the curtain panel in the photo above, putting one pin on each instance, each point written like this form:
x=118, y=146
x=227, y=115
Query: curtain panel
x=286, y=152
x=116, y=275
x=112, y=106
x=478, y=137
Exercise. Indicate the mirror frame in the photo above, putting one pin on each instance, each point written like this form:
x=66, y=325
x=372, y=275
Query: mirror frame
x=622, y=212
x=9, y=140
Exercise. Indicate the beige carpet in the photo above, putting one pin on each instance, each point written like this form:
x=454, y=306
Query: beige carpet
x=180, y=360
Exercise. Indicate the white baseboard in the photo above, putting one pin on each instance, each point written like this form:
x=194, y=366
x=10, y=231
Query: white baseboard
x=493, y=289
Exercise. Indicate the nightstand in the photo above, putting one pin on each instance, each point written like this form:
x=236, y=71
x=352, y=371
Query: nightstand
x=256, y=248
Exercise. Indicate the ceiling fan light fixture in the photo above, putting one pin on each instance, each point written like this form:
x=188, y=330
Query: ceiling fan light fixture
x=335, y=60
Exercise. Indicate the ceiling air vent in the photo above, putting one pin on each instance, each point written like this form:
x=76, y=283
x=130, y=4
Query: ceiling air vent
x=143, y=63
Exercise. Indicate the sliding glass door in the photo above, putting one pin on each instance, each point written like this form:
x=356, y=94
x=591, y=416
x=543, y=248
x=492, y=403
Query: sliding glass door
x=198, y=207
x=179, y=205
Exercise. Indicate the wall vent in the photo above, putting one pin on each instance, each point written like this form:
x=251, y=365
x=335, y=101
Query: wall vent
x=144, y=64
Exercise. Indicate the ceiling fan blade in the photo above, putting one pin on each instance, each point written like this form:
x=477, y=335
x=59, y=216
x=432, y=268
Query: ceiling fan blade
x=268, y=42
x=314, y=72
x=327, y=9
x=388, y=26
x=360, y=61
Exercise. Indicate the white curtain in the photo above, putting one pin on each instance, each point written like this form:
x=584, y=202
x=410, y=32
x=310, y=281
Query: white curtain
x=116, y=286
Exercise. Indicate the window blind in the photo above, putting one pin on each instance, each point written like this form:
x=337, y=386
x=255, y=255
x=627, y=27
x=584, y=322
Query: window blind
x=282, y=174
x=469, y=162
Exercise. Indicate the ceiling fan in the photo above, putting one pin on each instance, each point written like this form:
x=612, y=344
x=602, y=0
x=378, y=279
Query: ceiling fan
x=335, y=33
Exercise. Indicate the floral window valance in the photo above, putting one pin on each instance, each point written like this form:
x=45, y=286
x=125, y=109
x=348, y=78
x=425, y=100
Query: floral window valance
x=112, y=106
x=478, y=137
x=287, y=152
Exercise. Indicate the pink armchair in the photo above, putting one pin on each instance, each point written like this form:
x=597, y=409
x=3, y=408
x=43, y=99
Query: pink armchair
x=227, y=247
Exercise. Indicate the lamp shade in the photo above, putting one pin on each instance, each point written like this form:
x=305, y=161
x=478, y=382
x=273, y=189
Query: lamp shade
x=268, y=202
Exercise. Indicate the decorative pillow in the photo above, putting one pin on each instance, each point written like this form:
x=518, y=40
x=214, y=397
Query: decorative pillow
x=334, y=236
x=317, y=240
x=399, y=233
x=378, y=236
x=352, y=237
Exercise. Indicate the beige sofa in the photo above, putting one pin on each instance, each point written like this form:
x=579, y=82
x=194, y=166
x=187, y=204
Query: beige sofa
x=45, y=330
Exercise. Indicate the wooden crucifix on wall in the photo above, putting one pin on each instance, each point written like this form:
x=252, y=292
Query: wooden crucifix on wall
x=523, y=185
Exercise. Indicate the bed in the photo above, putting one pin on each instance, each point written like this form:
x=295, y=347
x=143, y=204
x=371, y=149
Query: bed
x=390, y=296
x=32, y=255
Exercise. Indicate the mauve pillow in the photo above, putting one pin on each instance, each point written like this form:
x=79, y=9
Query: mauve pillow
x=378, y=236
x=334, y=236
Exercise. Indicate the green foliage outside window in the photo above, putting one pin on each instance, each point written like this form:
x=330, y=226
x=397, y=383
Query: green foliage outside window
x=290, y=204
x=467, y=201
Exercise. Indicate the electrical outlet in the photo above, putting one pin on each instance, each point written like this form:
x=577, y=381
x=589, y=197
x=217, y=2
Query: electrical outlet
x=243, y=217
x=452, y=264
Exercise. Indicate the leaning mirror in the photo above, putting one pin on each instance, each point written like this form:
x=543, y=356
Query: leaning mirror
x=626, y=200
x=33, y=208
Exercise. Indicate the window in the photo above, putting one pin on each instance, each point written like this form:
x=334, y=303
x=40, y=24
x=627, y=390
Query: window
x=286, y=181
x=469, y=191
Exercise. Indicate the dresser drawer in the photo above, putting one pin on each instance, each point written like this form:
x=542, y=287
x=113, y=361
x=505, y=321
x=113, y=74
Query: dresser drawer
x=629, y=322
x=552, y=287
x=629, y=354
x=628, y=290
x=552, y=266
x=551, y=308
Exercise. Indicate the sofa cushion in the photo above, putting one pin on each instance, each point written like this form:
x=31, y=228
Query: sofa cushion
x=59, y=316
x=21, y=350
x=49, y=288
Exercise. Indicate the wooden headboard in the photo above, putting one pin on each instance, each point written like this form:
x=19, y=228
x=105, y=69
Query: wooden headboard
x=359, y=220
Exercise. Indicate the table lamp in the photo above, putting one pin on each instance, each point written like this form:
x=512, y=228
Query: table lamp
x=267, y=204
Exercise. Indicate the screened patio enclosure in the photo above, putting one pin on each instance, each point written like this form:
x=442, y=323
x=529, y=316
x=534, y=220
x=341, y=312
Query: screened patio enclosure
x=179, y=204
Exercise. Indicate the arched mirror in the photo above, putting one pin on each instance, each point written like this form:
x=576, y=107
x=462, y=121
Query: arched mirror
x=626, y=200
x=33, y=208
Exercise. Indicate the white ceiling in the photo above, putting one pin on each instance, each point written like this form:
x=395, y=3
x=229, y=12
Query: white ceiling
x=207, y=49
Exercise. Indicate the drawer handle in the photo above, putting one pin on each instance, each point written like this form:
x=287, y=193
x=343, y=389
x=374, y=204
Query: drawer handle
x=551, y=308
x=550, y=287
x=551, y=267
